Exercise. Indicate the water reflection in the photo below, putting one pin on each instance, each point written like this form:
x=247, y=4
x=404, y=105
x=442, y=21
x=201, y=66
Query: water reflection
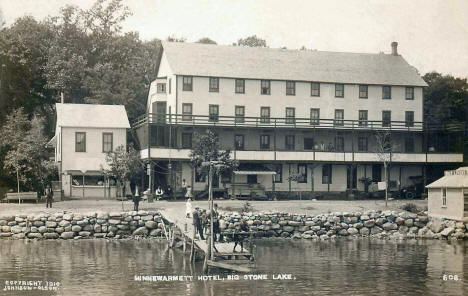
x=351, y=267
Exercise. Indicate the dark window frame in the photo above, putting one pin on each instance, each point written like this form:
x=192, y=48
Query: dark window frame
x=80, y=146
x=339, y=93
x=411, y=93
x=187, y=83
x=265, y=145
x=288, y=118
x=161, y=88
x=265, y=87
x=278, y=177
x=363, y=91
x=308, y=140
x=239, y=118
x=409, y=144
x=363, y=119
x=265, y=119
x=289, y=142
x=187, y=140
x=385, y=122
x=327, y=174
x=213, y=117
x=237, y=145
x=315, y=120
x=386, y=92
x=339, y=121
x=303, y=178
x=170, y=85
x=213, y=87
x=239, y=86
x=409, y=123
x=105, y=144
x=187, y=116
x=363, y=144
x=339, y=144
x=315, y=92
x=290, y=88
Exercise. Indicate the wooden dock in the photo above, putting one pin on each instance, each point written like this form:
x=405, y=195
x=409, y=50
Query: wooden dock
x=224, y=257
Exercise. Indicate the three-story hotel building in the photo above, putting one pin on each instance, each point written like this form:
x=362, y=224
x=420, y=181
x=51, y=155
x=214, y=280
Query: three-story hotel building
x=309, y=114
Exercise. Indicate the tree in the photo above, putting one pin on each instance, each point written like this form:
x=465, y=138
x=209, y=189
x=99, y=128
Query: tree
x=123, y=165
x=176, y=39
x=384, y=154
x=206, y=40
x=252, y=41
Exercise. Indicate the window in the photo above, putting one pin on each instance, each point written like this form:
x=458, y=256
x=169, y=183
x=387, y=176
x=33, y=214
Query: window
x=444, y=197
x=326, y=174
x=80, y=142
x=265, y=87
x=339, y=144
x=240, y=86
x=363, y=91
x=290, y=88
x=289, y=142
x=278, y=178
x=199, y=176
x=302, y=172
x=362, y=144
x=265, y=114
x=386, y=92
x=409, y=93
x=386, y=118
x=362, y=117
x=187, y=83
x=170, y=85
x=214, y=84
x=290, y=115
x=409, y=144
x=376, y=173
x=339, y=90
x=315, y=89
x=308, y=143
x=107, y=142
x=239, y=142
x=161, y=88
x=265, y=142
x=186, y=140
x=339, y=116
x=240, y=113
x=409, y=118
x=314, y=116
x=187, y=111
x=214, y=113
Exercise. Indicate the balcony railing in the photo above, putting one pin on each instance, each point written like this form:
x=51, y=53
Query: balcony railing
x=273, y=122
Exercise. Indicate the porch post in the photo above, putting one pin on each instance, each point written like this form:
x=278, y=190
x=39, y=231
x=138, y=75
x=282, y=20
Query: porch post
x=83, y=185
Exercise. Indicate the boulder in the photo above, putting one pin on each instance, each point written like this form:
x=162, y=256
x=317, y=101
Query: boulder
x=18, y=235
x=343, y=232
x=147, y=218
x=376, y=230
x=390, y=226
x=97, y=228
x=51, y=224
x=369, y=223
x=16, y=229
x=151, y=224
x=102, y=215
x=288, y=228
x=101, y=221
x=38, y=223
x=380, y=221
x=358, y=225
x=364, y=231
x=67, y=235
x=423, y=219
x=6, y=234
x=399, y=220
x=141, y=231
x=447, y=231
x=51, y=235
x=436, y=226
x=403, y=229
x=76, y=228
x=88, y=227
x=99, y=235
x=155, y=232
x=84, y=234
x=364, y=217
x=82, y=222
x=59, y=229
x=34, y=235
x=114, y=221
x=6, y=228
x=64, y=223
x=68, y=217
x=352, y=231
x=409, y=222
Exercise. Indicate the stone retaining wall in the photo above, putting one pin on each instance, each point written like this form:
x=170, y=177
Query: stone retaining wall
x=379, y=224
x=75, y=226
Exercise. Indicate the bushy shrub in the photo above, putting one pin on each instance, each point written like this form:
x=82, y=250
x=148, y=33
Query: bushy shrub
x=410, y=207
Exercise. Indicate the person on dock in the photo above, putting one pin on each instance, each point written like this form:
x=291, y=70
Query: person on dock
x=136, y=199
x=239, y=235
x=49, y=196
x=197, y=223
x=216, y=229
x=159, y=193
x=188, y=207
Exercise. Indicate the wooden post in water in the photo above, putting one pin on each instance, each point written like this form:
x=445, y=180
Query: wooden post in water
x=192, y=249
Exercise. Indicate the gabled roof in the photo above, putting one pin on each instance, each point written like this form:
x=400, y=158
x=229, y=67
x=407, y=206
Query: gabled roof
x=452, y=179
x=280, y=64
x=90, y=115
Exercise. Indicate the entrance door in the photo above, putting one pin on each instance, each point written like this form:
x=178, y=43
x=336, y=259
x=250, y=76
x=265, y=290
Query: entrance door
x=160, y=111
x=466, y=203
x=351, y=177
x=251, y=179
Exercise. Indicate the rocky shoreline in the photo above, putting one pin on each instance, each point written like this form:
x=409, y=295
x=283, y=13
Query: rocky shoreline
x=148, y=224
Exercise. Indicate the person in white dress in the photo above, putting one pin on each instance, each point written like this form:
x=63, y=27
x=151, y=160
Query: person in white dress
x=188, y=207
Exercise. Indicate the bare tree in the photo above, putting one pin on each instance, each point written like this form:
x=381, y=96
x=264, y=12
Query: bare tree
x=384, y=153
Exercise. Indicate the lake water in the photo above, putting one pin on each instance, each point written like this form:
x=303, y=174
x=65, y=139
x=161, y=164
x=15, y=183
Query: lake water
x=341, y=267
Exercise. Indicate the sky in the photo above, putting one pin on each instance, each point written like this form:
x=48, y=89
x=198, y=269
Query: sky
x=432, y=34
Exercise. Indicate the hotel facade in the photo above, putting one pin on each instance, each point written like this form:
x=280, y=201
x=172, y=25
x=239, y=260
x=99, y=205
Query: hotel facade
x=309, y=114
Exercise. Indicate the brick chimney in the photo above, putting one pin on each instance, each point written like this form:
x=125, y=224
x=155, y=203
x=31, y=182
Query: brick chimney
x=394, y=48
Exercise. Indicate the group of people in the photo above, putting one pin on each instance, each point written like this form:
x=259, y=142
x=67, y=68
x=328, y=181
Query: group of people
x=201, y=220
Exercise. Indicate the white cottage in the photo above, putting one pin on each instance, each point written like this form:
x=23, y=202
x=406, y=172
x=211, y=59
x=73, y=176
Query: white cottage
x=83, y=135
x=448, y=196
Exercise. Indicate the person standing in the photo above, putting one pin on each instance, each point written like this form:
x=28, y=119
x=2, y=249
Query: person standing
x=197, y=223
x=188, y=207
x=136, y=199
x=216, y=229
x=184, y=187
x=159, y=193
x=49, y=196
